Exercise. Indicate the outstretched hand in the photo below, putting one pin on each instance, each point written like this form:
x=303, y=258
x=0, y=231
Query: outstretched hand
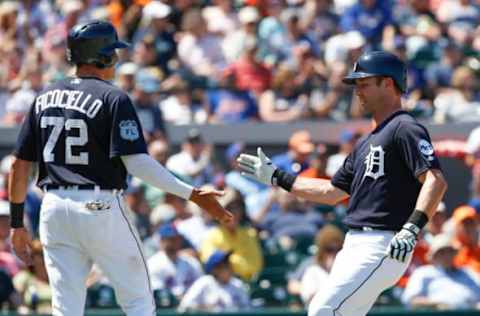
x=207, y=200
x=259, y=168
x=22, y=244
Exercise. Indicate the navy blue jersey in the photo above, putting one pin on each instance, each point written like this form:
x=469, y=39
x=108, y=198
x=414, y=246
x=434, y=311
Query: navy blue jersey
x=77, y=129
x=381, y=173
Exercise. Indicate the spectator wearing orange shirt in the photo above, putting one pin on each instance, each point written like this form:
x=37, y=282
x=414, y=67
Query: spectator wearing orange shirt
x=466, y=227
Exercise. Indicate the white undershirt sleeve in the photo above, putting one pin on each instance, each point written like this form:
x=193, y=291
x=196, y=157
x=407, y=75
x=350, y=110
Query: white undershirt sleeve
x=149, y=170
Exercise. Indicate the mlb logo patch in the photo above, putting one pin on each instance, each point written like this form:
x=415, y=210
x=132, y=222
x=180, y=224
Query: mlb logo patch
x=129, y=130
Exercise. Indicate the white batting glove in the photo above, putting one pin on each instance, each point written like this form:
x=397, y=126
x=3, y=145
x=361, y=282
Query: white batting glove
x=403, y=243
x=259, y=168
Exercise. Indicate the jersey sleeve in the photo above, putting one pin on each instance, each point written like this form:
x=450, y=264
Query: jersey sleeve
x=415, y=146
x=26, y=146
x=126, y=135
x=344, y=176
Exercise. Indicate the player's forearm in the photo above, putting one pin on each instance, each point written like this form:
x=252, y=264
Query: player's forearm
x=149, y=170
x=317, y=190
x=433, y=189
x=18, y=180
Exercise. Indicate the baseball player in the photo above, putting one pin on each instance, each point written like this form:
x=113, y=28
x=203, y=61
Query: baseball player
x=394, y=182
x=85, y=135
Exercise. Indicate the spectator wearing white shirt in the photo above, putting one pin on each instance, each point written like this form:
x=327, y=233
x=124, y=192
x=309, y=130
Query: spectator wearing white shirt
x=198, y=49
x=218, y=291
x=193, y=161
x=168, y=268
x=347, y=141
x=329, y=242
x=180, y=107
x=441, y=285
x=221, y=17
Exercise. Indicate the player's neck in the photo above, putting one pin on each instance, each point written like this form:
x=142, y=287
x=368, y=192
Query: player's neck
x=89, y=71
x=386, y=111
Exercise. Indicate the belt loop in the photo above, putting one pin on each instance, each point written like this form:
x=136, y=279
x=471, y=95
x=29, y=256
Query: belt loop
x=96, y=192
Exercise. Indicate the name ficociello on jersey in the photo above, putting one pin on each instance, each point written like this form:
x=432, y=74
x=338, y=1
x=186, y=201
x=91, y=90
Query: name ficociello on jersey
x=69, y=99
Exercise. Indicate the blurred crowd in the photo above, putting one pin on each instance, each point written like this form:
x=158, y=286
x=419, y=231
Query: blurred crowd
x=228, y=61
x=225, y=61
x=276, y=251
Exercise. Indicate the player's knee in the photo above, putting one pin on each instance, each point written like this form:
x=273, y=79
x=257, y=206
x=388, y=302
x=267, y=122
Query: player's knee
x=321, y=310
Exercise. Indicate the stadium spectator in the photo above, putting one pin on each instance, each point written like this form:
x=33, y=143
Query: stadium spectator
x=439, y=75
x=296, y=39
x=328, y=241
x=194, y=159
x=56, y=35
x=292, y=218
x=199, y=50
x=319, y=19
x=147, y=85
x=272, y=33
x=231, y=106
x=144, y=53
x=369, y=17
x=8, y=262
x=218, y=291
x=436, y=223
x=466, y=228
x=234, y=44
x=32, y=284
x=7, y=290
x=347, y=141
x=318, y=164
x=237, y=238
x=472, y=160
x=433, y=285
x=125, y=76
x=155, y=24
x=462, y=102
x=169, y=268
x=248, y=73
x=285, y=102
x=158, y=149
x=221, y=17
x=192, y=225
x=181, y=106
x=296, y=159
x=135, y=200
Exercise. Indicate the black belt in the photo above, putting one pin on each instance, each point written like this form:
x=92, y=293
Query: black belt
x=75, y=187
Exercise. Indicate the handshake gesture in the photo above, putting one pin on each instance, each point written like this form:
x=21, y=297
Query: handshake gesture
x=259, y=168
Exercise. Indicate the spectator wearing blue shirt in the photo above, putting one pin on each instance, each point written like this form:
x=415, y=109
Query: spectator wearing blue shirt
x=231, y=106
x=369, y=17
x=433, y=285
x=147, y=85
x=155, y=24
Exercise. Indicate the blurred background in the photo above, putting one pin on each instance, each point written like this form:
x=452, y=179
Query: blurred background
x=213, y=78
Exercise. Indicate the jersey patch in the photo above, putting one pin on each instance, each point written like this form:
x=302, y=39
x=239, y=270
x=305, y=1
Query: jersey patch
x=426, y=149
x=129, y=130
x=375, y=162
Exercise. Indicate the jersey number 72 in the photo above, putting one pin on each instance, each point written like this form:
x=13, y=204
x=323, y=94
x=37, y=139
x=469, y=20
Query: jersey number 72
x=58, y=124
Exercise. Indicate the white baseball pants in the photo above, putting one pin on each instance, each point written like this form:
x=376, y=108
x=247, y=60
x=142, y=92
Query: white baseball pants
x=73, y=237
x=361, y=272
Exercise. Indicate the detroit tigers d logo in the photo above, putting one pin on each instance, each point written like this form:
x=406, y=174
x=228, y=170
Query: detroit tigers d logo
x=375, y=162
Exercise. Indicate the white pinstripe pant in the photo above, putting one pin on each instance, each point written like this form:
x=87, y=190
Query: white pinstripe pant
x=360, y=273
x=74, y=237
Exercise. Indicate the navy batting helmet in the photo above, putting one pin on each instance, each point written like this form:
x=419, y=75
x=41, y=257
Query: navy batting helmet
x=379, y=63
x=93, y=43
